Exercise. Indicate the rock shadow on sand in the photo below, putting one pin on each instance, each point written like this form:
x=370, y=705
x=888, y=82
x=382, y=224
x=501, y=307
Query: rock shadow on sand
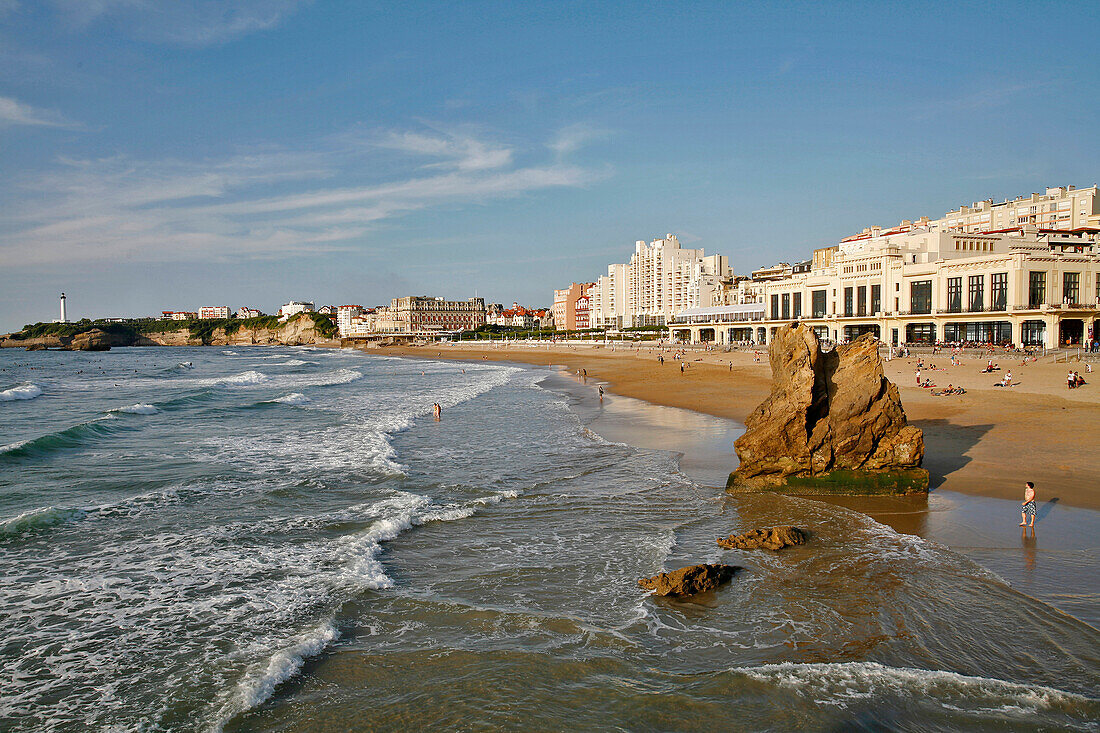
x=946, y=446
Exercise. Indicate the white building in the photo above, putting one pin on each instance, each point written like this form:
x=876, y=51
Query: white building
x=295, y=307
x=344, y=316
x=918, y=285
x=246, y=312
x=661, y=279
x=214, y=311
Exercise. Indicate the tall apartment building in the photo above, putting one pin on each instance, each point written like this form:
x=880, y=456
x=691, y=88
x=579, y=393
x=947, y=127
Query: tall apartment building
x=214, y=311
x=572, y=309
x=344, y=316
x=661, y=279
x=421, y=314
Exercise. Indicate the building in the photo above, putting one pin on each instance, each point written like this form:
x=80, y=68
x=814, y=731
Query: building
x=178, y=315
x=572, y=307
x=424, y=314
x=344, y=316
x=922, y=285
x=327, y=310
x=661, y=279
x=214, y=311
x=1060, y=207
x=246, y=312
x=295, y=307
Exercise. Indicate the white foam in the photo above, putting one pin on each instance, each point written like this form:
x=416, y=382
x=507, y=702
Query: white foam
x=244, y=378
x=260, y=682
x=294, y=398
x=140, y=408
x=836, y=683
x=297, y=362
x=231, y=353
x=23, y=392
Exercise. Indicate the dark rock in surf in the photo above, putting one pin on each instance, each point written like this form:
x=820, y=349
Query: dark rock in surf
x=833, y=424
x=690, y=580
x=773, y=538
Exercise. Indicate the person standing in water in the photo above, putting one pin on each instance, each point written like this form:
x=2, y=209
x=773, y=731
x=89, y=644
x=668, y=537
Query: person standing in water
x=601, y=393
x=1028, y=508
x=437, y=411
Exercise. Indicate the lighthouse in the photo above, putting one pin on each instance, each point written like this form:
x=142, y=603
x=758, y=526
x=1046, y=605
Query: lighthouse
x=63, y=318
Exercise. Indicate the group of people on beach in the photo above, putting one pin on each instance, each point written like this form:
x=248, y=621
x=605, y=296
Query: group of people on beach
x=1074, y=380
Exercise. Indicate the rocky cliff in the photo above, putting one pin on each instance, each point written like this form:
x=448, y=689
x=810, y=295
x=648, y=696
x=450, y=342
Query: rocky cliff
x=298, y=331
x=833, y=423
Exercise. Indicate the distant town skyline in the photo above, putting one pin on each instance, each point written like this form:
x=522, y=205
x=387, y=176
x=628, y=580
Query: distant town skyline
x=170, y=155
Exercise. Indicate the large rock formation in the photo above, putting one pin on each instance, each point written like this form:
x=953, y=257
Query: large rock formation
x=833, y=423
x=689, y=581
x=94, y=340
x=775, y=538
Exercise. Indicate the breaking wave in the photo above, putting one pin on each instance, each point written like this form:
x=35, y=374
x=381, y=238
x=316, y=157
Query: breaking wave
x=23, y=392
x=140, y=408
x=38, y=519
x=294, y=398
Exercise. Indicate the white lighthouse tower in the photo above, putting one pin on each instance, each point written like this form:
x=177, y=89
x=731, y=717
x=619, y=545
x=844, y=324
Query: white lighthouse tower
x=63, y=318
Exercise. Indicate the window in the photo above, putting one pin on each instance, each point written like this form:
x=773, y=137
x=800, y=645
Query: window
x=920, y=333
x=920, y=296
x=817, y=302
x=1036, y=289
x=954, y=295
x=861, y=300
x=1071, y=287
x=998, y=291
x=797, y=307
x=977, y=293
x=986, y=332
x=786, y=306
x=876, y=298
x=1033, y=333
x=848, y=304
x=775, y=307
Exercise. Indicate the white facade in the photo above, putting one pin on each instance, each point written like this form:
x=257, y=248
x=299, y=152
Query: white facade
x=295, y=307
x=246, y=312
x=214, y=311
x=661, y=279
x=344, y=316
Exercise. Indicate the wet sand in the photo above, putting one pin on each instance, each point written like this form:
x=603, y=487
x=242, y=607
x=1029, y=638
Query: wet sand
x=984, y=443
x=1053, y=561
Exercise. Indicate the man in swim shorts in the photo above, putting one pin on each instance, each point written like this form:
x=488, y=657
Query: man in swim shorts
x=1028, y=508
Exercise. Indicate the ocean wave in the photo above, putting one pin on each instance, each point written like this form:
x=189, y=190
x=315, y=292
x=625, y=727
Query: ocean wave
x=244, y=378
x=22, y=392
x=296, y=362
x=76, y=436
x=140, y=408
x=260, y=682
x=231, y=353
x=836, y=683
x=294, y=398
x=38, y=519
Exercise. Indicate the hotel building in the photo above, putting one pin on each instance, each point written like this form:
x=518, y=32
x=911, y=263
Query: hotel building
x=422, y=314
x=661, y=279
x=572, y=309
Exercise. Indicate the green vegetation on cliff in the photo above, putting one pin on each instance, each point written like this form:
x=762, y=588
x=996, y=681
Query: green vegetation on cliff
x=198, y=329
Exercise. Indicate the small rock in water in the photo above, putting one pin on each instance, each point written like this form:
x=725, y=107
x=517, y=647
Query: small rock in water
x=690, y=580
x=774, y=538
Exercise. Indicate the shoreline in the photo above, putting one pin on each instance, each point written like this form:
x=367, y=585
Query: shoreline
x=1050, y=563
x=984, y=443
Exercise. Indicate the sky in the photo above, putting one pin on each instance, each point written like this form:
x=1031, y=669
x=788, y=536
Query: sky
x=168, y=154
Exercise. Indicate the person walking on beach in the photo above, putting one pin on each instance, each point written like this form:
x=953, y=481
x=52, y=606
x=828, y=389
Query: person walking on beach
x=1028, y=508
x=601, y=393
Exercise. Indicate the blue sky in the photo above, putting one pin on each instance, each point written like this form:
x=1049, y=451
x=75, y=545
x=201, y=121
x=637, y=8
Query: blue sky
x=166, y=154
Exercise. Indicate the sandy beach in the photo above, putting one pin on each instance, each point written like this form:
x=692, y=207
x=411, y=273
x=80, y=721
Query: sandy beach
x=986, y=442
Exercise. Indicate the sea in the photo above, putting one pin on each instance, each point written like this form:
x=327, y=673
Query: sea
x=285, y=539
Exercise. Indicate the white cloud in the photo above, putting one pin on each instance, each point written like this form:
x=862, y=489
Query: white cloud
x=461, y=152
x=14, y=112
x=572, y=138
x=274, y=204
x=181, y=22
